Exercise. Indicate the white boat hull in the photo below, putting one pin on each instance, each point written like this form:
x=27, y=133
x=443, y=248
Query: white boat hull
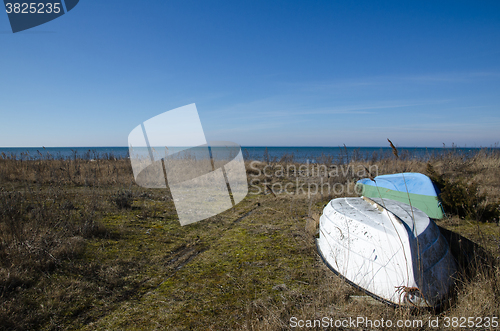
x=387, y=249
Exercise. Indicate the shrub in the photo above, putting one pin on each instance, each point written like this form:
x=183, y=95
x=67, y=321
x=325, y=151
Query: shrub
x=123, y=199
x=463, y=198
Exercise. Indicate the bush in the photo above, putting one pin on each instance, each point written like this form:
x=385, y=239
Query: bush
x=123, y=199
x=463, y=198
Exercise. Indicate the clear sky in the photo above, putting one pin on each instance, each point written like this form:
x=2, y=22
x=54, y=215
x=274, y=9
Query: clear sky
x=262, y=73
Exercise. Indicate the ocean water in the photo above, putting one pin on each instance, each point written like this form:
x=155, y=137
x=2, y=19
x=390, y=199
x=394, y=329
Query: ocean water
x=34, y=153
x=296, y=154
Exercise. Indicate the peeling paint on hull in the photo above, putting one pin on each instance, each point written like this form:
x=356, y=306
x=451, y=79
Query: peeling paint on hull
x=388, y=249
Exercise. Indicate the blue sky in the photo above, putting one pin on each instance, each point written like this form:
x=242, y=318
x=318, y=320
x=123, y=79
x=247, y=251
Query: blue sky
x=262, y=73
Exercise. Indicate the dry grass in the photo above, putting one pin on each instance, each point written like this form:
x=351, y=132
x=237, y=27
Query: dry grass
x=83, y=247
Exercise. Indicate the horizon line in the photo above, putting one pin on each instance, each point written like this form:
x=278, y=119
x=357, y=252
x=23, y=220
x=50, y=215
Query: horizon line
x=266, y=146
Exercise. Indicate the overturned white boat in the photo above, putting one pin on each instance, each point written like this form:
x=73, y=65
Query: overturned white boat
x=388, y=249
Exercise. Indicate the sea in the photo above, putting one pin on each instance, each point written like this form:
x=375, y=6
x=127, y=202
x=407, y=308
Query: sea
x=271, y=154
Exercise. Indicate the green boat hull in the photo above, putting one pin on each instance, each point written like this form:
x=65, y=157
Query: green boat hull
x=428, y=204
